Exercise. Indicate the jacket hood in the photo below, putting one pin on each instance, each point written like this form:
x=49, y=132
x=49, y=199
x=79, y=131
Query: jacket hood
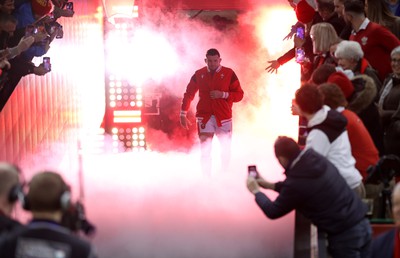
x=365, y=93
x=329, y=121
x=336, y=120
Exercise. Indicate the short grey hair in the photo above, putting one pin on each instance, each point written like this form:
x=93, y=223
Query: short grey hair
x=395, y=51
x=349, y=50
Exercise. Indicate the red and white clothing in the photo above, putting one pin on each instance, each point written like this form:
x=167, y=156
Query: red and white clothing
x=377, y=42
x=203, y=81
x=362, y=146
x=328, y=136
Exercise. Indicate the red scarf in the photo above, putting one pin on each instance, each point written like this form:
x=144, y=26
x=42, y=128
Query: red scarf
x=364, y=65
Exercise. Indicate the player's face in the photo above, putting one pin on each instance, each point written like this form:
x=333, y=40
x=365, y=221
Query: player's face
x=213, y=62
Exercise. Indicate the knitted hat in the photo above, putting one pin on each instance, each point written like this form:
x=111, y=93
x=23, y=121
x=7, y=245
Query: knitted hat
x=304, y=12
x=344, y=83
x=41, y=7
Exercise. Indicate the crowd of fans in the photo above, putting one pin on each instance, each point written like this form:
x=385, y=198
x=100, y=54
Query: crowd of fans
x=353, y=45
x=27, y=28
x=349, y=98
x=349, y=101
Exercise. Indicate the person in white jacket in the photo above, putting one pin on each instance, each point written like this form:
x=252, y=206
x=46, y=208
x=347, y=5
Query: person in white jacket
x=327, y=134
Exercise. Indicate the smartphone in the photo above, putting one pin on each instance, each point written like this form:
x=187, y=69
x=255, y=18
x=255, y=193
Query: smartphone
x=46, y=63
x=300, y=32
x=69, y=6
x=60, y=32
x=40, y=29
x=300, y=55
x=29, y=30
x=252, y=170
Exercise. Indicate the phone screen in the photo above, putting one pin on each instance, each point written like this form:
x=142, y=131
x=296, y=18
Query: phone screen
x=29, y=30
x=300, y=55
x=300, y=32
x=252, y=171
x=46, y=63
x=70, y=6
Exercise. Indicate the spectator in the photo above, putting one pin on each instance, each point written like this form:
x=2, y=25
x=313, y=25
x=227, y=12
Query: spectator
x=376, y=41
x=10, y=188
x=47, y=197
x=324, y=38
x=362, y=147
x=360, y=93
x=378, y=11
x=7, y=28
x=389, y=106
x=327, y=134
x=7, y=6
x=394, y=6
x=326, y=8
x=339, y=9
x=351, y=56
x=218, y=88
x=314, y=188
x=307, y=16
x=31, y=11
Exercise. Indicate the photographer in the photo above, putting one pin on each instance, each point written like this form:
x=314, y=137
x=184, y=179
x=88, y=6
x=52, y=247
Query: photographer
x=48, y=197
x=9, y=187
x=314, y=187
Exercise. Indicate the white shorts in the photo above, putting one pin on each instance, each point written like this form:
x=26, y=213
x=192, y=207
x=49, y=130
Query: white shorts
x=212, y=127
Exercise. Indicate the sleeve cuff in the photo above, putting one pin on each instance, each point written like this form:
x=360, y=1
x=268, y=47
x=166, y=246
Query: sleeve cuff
x=225, y=95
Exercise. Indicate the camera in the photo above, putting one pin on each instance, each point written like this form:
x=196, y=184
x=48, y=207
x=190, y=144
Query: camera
x=387, y=167
x=300, y=32
x=69, y=6
x=75, y=219
x=252, y=170
x=46, y=63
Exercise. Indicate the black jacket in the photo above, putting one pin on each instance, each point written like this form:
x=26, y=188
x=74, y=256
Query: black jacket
x=43, y=236
x=314, y=187
x=383, y=245
x=8, y=225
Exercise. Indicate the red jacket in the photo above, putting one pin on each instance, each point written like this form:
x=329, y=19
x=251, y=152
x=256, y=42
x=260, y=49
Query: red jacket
x=203, y=81
x=377, y=42
x=362, y=146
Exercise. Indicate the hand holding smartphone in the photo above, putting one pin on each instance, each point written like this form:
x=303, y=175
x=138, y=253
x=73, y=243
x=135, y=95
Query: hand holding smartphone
x=29, y=30
x=46, y=63
x=252, y=170
x=300, y=32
